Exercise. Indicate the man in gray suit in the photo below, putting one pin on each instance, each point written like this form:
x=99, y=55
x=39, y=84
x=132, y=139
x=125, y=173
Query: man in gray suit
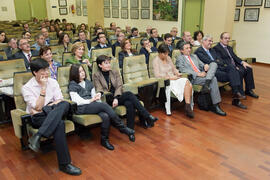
x=202, y=74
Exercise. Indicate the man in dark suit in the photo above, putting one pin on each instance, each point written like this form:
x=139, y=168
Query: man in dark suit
x=25, y=53
x=98, y=30
x=174, y=32
x=45, y=33
x=134, y=33
x=225, y=52
x=82, y=38
x=154, y=37
x=12, y=47
x=186, y=37
x=120, y=37
x=146, y=49
x=225, y=72
x=168, y=41
x=101, y=38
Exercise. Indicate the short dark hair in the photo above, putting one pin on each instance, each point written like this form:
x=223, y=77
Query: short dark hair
x=100, y=34
x=163, y=48
x=151, y=31
x=143, y=40
x=100, y=59
x=81, y=31
x=196, y=33
x=222, y=34
x=38, y=64
x=74, y=73
x=134, y=29
x=167, y=35
x=43, y=50
x=182, y=44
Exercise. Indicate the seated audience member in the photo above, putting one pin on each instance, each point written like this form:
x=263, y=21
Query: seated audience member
x=198, y=36
x=180, y=87
x=128, y=30
x=3, y=37
x=78, y=56
x=120, y=38
x=46, y=54
x=186, y=37
x=154, y=37
x=146, y=49
x=65, y=41
x=97, y=25
x=26, y=35
x=64, y=21
x=47, y=22
x=126, y=51
x=52, y=22
x=225, y=52
x=12, y=48
x=45, y=103
x=225, y=72
x=174, y=32
x=98, y=30
x=82, y=39
x=101, y=38
x=35, y=20
x=114, y=37
x=148, y=29
x=52, y=28
x=202, y=74
x=42, y=25
x=134, y=33
x=40, y=41
x=25, y=53
x=83, y=93
x=83, y=28
x=45, y=33
x=26, y=27
x=169, y=42
x=112, y=26
x=107, y=80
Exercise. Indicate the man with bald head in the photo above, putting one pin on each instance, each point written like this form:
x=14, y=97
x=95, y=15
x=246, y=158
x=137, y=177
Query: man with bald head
x=225, y=52
x=186, y=37
x=174, y=32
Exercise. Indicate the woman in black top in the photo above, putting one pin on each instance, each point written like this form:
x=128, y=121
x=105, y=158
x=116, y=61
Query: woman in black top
x=107, y=80
x=126, y=51
x=83, y=93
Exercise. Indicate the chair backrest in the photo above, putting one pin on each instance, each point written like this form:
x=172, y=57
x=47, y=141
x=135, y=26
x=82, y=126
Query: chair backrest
x=232, y=43
x=58, y=50
x=65, y=57
x=86, y=50
x=117, y=50
x=134, y=69
x=175, y=54
x=135, y=41
x=63, y=78
x=159, y=43
x=98, y=52
x=194, y=48
x=19, y=79
x=2, y=53
x=52, y=35
x=3, y=46
x=53, y=42
x=176, y=41
x=8, y=68
x=150, y=64
x=93, y=43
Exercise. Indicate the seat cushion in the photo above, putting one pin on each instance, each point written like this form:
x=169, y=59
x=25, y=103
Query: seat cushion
x=87, y=119
x=120, y=110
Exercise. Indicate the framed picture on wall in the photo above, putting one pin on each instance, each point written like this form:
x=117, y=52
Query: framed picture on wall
x=124, y=3
x=115, y=12
x=107, y=3
x=252, y=14
x=62, y=3
x=134, y=13
x=145, y=3
x=63, y=11
x=253, y=3
x=107, y=13
x=267, y=4
x=85, y=13
x=145, y=13
x=134, y=4
x=239, y=3
x=124, y=13
x=115, y=3
x=237, y=15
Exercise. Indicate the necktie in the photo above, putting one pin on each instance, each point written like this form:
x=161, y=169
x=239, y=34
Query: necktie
x=29, y=57
x=209, y=54
x=232, y=61
x=193, y=65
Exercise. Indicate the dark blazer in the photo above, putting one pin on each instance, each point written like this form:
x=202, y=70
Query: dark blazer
x=114, y=47
x=146, y=53
x=223, y=54
x=154, y=42
x=20, y=55
x=122, y=55
x=99, y=47
x=8, y=52
x=88, y=42
x=84, y=93
x=102, y=86
x=171, y=50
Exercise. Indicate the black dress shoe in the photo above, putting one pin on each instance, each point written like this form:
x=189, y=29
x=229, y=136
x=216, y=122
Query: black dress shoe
x=70, y=169
x=143, y=123
x=34, y=142
x=239, y=104
x=251, y=93
x=127, y=131
x=218, y=110
x=151, y=121
x=132, y=137
x=239, y=96
x=105, y=143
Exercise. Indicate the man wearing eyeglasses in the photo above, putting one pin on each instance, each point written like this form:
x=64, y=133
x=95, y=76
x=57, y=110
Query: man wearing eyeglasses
x=174, y=32
x=169, y=41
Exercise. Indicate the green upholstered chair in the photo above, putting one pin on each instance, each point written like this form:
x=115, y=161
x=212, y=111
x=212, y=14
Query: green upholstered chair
x=65, y=57
x=98, y=52
x=117, y=50
x=159, y=43
x=52, y=35
x=53, y=42
x=3, y=54
x=58, y=50
x=3, y=46
x=20, y=119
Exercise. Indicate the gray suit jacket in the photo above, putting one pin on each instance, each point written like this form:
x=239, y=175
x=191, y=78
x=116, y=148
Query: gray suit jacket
x=184, y=66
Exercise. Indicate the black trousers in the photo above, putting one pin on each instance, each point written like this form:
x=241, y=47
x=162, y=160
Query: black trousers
x=247, y=75
x=131, y=102
x=50, y=123
x=230, y=74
